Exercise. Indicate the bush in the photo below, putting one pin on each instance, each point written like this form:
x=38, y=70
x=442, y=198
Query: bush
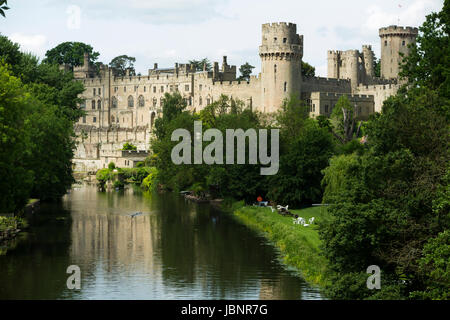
x=111, y=166
x=151, y=181
x=129, y=146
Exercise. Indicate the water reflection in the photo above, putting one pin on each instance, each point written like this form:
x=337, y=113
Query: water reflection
x=175, y=250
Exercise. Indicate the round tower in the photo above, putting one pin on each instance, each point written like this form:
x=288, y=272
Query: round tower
x=281, y=54
x=395, y=40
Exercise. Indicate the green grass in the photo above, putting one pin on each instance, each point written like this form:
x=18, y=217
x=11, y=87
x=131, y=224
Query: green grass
x=298, y=245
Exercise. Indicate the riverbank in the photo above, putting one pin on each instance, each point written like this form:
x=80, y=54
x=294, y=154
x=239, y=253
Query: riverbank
x=11, y=226
x=299, y=245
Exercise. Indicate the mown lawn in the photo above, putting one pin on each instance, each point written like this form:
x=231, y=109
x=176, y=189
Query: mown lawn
x=298, y=245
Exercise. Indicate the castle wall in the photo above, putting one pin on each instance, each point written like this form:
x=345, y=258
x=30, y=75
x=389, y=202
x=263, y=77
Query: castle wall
x=380, y=93
x=322, y=103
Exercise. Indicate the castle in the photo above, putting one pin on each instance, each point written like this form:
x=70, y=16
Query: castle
x=124, y=109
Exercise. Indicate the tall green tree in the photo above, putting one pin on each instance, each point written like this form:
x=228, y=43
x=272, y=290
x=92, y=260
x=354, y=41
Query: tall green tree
x=70, y=53
x=121, y=64
x=200, y=64
x=344, y=120
x=308, y=70
x=246, y=71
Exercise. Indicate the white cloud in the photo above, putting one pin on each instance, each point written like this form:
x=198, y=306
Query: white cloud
x=409, y=14
x=32, y=43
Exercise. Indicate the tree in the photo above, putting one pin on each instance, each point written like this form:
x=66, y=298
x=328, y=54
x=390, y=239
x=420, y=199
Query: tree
x=16, y=180
x=3, y=7
x=308, y=70
x=129, y=147
x=121, y=64
x=343, y=119
x=377, y=68
x=70, y=53
x=427, y=64
x=246, y=71
x=200, y=64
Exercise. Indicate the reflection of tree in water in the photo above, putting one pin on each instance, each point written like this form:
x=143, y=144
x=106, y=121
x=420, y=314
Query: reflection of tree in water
x=222, y=257
x=36, y=267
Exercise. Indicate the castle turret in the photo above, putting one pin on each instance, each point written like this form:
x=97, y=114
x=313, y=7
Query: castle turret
x=369, y=63
x=281, y=54
x=395, y=40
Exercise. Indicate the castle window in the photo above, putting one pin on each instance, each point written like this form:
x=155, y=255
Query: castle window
x=275, y=68
x=93, y=104
x=99, y=91
x=385, y=43
x=275, y=39
x=162, y=89
x=155, y=102
x=208, y=101
x=171, y=88
x=135, y=88
x=326, y=108
x=94, y=119
x=145, y=88
x=154, y=89
x=130, y=102
x=199, y=87
x=284, y=40
x=200, y=100
x=161, y=100
x=176, y=88
x=113, y=119
x=141, y=101
x=115, y=89
x=94, y=91
x=84, y=119
x=403, y=43
x=99, y=104
x=285, y=86
x=124, y=89
x=114, y=102
x=186, y=87
x=83, y=105
x=314, y=107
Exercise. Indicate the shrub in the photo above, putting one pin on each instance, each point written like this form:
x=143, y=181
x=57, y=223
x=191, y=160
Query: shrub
x=129, y=146
x=111, y=166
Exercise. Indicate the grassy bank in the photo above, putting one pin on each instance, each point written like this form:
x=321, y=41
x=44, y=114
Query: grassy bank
x=299, y=245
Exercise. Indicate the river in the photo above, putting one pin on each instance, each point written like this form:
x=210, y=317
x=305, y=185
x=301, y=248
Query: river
x=174, y=250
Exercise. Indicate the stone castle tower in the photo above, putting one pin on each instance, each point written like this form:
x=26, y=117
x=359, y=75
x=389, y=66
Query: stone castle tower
x=394, y=40
x=281, y=54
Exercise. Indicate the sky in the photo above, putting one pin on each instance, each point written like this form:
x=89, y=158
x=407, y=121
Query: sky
x=169, y=31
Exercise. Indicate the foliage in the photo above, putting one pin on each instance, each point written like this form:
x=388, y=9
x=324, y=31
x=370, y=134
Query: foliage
x=129, y=147
x=121, y=64
x=3, y=7
x=70, y=53
x=343, y=120
x=200, y=64
x=150, y=182
x=308, y=70
x=246, y=71
x=111, y=166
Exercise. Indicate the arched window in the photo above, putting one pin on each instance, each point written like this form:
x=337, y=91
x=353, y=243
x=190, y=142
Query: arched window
x=130, y=102
x=93, y=104
x=152, y=119
x=113, y=119
x=141, y=101
x=99, y=104
x=155, y=102
x=114, y=102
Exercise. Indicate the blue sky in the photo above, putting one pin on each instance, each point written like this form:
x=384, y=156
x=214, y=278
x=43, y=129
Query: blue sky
x=169, y=31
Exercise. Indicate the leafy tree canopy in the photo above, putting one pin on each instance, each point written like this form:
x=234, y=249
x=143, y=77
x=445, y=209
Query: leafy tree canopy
x=121, y=64
x=246, y=71
x=70, y=53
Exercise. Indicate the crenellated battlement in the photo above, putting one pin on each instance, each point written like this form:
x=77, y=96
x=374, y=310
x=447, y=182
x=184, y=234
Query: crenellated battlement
x=398, y=30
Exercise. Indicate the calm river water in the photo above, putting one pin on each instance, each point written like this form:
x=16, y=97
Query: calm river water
x=175, y=250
